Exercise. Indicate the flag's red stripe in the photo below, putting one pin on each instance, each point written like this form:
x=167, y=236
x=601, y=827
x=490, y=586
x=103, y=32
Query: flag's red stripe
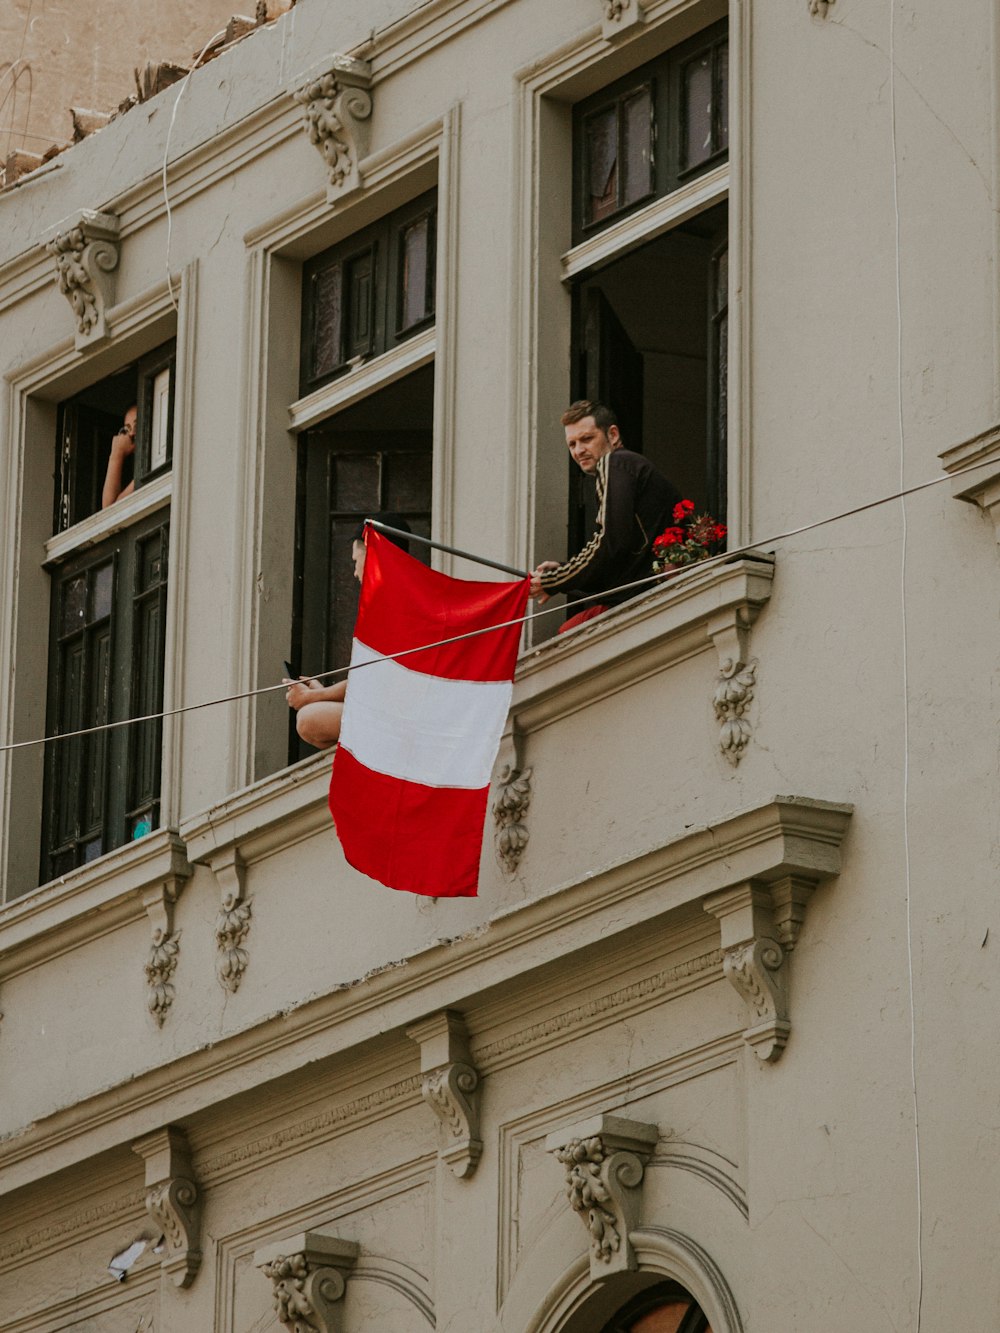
x=404, y=604
x=422, y=839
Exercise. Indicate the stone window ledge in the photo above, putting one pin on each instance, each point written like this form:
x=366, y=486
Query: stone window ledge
x=978, y=463
x=120, y=888
x=715, y=606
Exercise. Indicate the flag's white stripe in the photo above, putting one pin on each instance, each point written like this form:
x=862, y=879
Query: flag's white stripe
x=442, y=733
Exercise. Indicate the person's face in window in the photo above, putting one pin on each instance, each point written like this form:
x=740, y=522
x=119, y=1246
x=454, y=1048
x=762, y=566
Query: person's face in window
x=588, y=444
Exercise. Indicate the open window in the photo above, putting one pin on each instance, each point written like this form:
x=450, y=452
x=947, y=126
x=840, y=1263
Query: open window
x=108, y=584
x=665, y=1308
x=361, y=299
x=650, y=316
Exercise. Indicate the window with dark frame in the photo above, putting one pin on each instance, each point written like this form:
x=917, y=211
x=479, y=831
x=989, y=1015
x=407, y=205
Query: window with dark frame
x=369, y=292
x=106, y=640
x=650, y=324
x=89, y=420
x=105, y=665
x=649, y=132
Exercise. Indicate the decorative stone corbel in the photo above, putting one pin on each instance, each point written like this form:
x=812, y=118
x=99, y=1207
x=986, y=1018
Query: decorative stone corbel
x=164, y=947
x=86, y=255
x=232, y=925
x=309, y=1275
x=819, y=8
x=760, y=925
x=734, y=689
x=172, y=1201
x=450, y=1087
x=509, y=813
x=338, y=107
x=620, y=17
x=605, y=1160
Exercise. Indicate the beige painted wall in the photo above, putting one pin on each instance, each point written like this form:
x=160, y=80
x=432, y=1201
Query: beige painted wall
x=300, y=1093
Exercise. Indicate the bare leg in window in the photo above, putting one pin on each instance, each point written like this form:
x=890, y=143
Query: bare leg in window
x=319, y=709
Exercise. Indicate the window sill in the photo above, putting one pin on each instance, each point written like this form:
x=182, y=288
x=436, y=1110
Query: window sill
x=686, y=202
x=122, y=514
x=715, y=606
x=978, y=463
x=377, y=373
x=117, y=889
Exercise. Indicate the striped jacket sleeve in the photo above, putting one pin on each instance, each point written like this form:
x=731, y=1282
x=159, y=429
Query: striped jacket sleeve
x=593, y=568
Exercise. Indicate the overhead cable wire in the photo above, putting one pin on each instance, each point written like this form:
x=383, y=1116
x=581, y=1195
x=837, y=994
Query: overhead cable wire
x=724, y=557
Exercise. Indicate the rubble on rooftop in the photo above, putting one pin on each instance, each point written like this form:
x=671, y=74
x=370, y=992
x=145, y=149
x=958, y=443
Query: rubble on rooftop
x=151, y=79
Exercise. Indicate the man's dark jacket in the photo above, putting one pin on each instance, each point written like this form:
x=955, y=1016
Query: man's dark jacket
x=634, y=505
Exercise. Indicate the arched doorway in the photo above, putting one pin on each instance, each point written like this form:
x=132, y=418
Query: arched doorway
x=665, y=1308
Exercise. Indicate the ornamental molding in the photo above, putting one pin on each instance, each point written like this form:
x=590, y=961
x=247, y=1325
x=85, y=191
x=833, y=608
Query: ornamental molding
x=86, y=250
x=450, y=1085
x=509, y=815
x=736, y=681
x=974, y=467
x=819, y=8
x=164, y=948
x=605, y=1160
x=760, y=925
x=620, y=18
x=232, y=925
x=308, y=1274
x=172, y=1201
x=336, y=98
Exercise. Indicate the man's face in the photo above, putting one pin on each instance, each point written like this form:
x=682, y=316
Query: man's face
x=358, y=553
x=588, y=444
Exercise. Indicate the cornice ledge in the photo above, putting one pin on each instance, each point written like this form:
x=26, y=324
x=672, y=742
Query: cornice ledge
x=715, y=606
x=977, y=463
x=98, y=898
x=273, y=813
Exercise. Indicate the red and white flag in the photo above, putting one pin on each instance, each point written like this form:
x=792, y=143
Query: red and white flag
x=420, y=734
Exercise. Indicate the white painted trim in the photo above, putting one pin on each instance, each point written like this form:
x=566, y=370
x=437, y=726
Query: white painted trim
x=652, y=221
x=122, y=514
x=365, y=379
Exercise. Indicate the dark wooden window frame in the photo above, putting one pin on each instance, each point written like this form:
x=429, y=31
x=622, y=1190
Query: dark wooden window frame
x=99, y=788
x=665, y=76
x=382, y=242
x=647, y=1301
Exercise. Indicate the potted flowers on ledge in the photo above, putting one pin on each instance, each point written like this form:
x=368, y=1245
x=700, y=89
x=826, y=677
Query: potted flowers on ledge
x=691, y=538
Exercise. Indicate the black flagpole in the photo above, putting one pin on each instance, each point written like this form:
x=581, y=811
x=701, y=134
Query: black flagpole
x=452, y=550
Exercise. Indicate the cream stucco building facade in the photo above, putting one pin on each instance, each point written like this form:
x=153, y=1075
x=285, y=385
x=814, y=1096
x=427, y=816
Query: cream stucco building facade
x=734, y=957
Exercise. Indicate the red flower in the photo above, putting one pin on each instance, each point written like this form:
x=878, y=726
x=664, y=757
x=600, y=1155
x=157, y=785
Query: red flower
x=681, y=510
x=719, y=532
x=669, y=538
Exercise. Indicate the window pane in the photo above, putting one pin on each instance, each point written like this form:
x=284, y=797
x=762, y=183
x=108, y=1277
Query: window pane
x=409, y=482
x=327, y=303
x=74, y=609
x=638, y=127
x=722, y=281
x=102, y=586
x=361, y=304
x=698, y=110
x=414, y=276
x=602, y=163
x=159, y=438
x=666, y=1318
x=723, y=95
x=355, y=487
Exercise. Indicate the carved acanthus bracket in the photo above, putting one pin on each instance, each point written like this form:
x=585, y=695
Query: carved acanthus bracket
x=86, y=255
x=734, y=689
x=172, y=1201
x=620, y=17
x=450, y=1085
x=232, y=925
x=308, y=1273
x=338, y=107
x=509, y=813
x=605, y=1160
x=760, y=925
x=164, y=947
